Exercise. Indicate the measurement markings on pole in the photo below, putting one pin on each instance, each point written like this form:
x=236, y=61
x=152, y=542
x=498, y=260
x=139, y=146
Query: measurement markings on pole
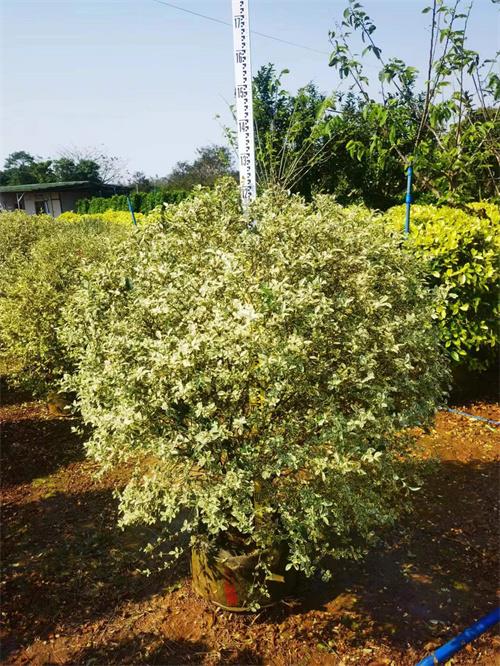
x=244, y=103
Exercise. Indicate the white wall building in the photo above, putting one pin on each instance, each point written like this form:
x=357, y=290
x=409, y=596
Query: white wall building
x=52, y=198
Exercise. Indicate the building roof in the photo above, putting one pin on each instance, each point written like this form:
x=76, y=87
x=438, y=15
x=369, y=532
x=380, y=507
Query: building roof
x=68, y=185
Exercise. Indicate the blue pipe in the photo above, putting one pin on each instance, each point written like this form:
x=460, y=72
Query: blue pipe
x=447, y=650
x=134, y=221
x=409, y=177
x=471, y=416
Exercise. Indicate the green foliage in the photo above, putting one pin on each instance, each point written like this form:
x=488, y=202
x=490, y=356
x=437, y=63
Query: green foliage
x=352, y=173
x=257, y=376
x=41, y=271
x=140, y=182
x=292, y=131
x=449, y=130
x=114, y=216
x=67, y=169
x=21, y=168
x=92, y=165
x=142, y=202
x=309, y=142
x=358, y=148
x=212, y=162
x=460, y=247
x=18, y=232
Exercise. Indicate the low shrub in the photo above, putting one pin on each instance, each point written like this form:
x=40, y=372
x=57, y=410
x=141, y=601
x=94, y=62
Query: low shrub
x=257, y=375
x=460, y=248
x=33, y=291
x=18, y=232
x=111, y=216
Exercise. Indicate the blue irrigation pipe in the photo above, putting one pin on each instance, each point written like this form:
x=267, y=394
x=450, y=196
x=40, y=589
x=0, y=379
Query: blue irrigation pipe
x=131, y=209
x=471, y=416
x=447, y=650
x=409, y=178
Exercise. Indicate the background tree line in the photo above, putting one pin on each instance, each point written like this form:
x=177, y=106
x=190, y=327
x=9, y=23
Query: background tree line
x=211, y=162
x=92, y=164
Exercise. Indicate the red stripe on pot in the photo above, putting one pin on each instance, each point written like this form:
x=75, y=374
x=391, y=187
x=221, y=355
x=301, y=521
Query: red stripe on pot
x=230, y=593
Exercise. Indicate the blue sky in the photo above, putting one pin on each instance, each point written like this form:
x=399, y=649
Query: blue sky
x=146, y=81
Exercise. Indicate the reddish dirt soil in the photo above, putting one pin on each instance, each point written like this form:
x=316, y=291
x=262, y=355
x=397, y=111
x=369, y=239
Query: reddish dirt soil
x=73, y=591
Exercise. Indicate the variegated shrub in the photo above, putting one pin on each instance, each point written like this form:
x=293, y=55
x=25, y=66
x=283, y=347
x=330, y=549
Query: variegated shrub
x=284, y=351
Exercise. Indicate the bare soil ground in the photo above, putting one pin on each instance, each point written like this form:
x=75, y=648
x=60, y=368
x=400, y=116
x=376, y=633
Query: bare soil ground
x=73, y=591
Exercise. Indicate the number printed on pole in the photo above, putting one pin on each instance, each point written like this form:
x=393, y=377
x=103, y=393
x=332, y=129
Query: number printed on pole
x=244, y=103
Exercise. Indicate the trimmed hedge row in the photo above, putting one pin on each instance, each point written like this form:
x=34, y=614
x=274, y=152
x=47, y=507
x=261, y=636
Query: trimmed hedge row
x=142, y=202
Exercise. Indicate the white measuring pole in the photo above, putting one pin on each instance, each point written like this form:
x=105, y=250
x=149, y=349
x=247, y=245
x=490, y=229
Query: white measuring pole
x=244, y=101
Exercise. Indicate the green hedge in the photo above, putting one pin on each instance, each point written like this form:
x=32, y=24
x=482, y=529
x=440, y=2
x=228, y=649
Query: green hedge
x=142, y=202
x=460, y=248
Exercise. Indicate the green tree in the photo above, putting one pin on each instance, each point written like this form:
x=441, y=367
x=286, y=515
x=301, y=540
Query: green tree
x=292, y=134
x=302, y=143
x=448, y=131
x=67, y=169
x=213, y=162
x=375, y=183
x=140, y=182
x=20, y=168
x=292, y=131
x=96, y=163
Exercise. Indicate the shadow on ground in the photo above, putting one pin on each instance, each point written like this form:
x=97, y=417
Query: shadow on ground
x=435, y=572
x=469, y=386
x=66, y=563
x=12, y=396
x=33, y=447
x=64, y=560
x=148, y=648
